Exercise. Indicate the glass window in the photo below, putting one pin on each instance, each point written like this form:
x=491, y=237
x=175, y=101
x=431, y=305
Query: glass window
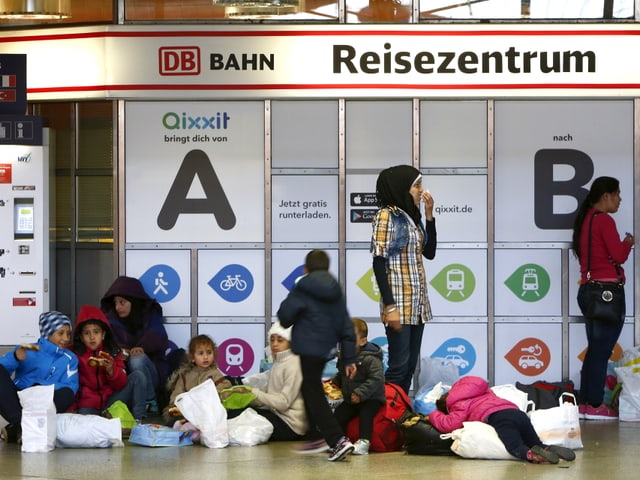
x=95, y=135
x=95, y=207
x=202, y=10
x=535, y=9
x=59, y=117
x=373, y=11
x=74, y=12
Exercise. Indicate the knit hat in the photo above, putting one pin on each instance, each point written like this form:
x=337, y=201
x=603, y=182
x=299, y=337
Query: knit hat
x=277, y=329
x=52, y=321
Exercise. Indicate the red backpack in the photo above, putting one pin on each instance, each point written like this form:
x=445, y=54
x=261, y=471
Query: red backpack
x=387, y=436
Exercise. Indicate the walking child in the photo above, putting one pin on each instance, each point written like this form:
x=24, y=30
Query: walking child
x=317, y=310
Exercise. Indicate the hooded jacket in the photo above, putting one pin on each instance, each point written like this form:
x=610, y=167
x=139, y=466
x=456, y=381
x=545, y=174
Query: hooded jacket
x=96, y=386
x=368, y=383
x=51, y=365
x=470, y=400
x=188, y=376
x=152, y=337
x=317, y=310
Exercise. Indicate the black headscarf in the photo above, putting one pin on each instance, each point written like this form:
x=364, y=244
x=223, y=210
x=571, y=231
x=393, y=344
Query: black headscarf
x=392, y=189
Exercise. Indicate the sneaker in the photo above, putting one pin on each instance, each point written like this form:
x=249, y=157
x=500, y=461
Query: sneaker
x=361, y=447
x=563, y=453
x=538, y=454
x=313, y=446
x=11, y=433
x=603, y=412
x=343, y=448
x=582, y=410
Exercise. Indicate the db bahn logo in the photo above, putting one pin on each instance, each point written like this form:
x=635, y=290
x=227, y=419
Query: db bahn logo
x=179, y=60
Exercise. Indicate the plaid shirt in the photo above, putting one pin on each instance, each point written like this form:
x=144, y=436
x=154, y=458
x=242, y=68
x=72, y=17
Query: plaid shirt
x=405, y=271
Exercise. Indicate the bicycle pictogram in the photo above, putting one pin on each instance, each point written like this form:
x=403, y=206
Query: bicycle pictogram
x=233, y=281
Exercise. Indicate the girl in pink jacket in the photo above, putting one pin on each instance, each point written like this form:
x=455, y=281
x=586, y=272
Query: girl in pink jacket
x=470, y=399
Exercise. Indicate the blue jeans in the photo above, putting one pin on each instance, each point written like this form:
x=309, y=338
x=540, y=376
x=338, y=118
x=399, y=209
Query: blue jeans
x=601, y=338
x=147, y=367
x=515, y=430
x=134, y=395
x=404, y=352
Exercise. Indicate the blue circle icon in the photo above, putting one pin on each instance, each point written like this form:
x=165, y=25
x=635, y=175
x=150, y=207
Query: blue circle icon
x=161, y=282
x=234, y=283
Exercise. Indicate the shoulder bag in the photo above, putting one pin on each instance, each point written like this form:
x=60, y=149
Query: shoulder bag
x=605, y=300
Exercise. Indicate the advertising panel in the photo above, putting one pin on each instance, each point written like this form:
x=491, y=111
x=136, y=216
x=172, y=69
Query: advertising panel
x=528, y=282
x=527, y=352
x=304, y=134
x=461, y=344
x=457, y=283
x=460, y=206
x=240, y=346
x=363, y=295
x=379, y=134
x=547, y=153
x=454, y=133
x=205, y=182
x=362, y=205
x=165, y=276
x=231, y=283
x=304, y=208
x=287, y=266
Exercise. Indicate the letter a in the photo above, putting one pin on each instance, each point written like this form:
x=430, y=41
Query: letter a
x=196, y=162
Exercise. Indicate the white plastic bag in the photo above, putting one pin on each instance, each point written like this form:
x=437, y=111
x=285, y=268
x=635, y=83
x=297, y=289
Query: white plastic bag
x=202, y=407
x=629, y=400
x=559, y=425
x=425, y=400
x=477, y=440
x=88, y=431
x=434, y=370
x=38, y=418
x=259, y=380
x=249, y=429
x=630, y=357
x=512, y=393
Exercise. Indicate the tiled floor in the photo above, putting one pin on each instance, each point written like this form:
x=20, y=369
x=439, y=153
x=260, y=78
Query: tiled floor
x=611, y=452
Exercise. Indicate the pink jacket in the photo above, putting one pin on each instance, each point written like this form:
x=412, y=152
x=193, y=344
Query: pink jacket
x=470, y=400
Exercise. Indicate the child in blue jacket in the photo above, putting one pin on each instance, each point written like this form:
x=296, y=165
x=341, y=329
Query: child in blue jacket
x=47, y=362
x=317, y=310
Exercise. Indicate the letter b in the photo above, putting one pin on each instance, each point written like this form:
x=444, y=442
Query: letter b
x=546, y=188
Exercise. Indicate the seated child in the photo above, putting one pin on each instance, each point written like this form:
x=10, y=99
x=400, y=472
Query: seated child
x=47, y=362
x=363, y=394
x=103, y=377
x=281, y=402
x=201, y=366
x=471, y=399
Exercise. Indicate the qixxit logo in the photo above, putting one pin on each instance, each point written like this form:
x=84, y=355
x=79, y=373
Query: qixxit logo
x=179, y=60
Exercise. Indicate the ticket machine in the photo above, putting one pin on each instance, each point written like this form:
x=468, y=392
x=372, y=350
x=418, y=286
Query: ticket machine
x=24, y=227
